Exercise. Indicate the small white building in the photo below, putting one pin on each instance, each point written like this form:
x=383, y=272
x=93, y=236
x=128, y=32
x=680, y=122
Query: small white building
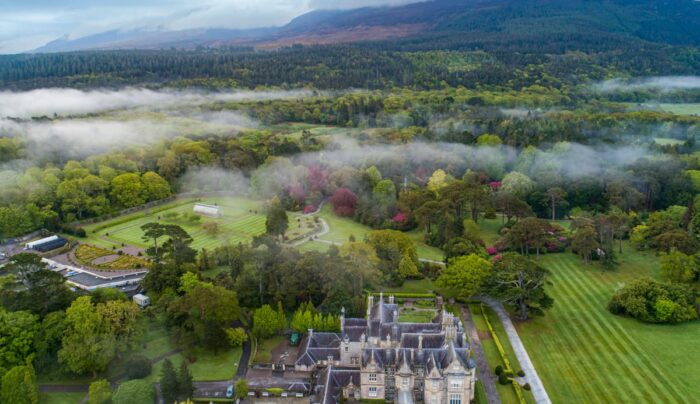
x=142, y=300
x=207, y=210
x=39, y=242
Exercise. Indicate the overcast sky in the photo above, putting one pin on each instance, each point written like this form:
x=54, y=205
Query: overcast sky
x=28, y=24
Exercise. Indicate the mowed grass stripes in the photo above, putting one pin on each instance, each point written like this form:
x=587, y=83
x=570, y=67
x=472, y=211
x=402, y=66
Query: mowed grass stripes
x=585, y=354
x=243, y=219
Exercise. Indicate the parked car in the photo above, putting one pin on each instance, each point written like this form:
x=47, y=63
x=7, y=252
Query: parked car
x=229, y=391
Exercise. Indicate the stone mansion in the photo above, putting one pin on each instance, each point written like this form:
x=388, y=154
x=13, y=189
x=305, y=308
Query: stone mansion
x=384, y=359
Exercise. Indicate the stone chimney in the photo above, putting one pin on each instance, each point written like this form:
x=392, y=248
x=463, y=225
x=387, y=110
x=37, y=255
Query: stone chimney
x=370, y=303
x=342, y=319
x=311, y=332
x=391, y=299
x=420, y=342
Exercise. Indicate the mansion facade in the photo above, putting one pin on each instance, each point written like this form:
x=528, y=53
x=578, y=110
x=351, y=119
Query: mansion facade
x=380, y=358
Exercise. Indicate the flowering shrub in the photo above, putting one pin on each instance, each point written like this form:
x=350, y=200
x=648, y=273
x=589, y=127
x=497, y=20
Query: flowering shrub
x=309, y=209
x=497, y=258
x=400, y=217
x=495, y=185
x=491, y=250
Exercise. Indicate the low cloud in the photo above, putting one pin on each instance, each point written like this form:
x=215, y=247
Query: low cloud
x=659, y=83
x=62, y=101
x=210, y=179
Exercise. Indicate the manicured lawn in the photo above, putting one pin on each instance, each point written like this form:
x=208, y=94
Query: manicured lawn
x=416, y=316
x=585, y=354
x=682, y=109
x=61, y=398
x=209, y=366
x=243, y=219
x=413, y=286
x=341, y=228
x=265, y=347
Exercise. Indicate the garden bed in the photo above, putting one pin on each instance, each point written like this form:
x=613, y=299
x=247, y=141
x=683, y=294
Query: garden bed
x=101, y=258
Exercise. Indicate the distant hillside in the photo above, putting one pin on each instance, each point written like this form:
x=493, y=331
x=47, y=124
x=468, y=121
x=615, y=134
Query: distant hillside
x=558, y=24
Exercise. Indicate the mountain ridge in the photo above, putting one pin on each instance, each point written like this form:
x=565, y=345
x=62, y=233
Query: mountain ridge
x=675, y=22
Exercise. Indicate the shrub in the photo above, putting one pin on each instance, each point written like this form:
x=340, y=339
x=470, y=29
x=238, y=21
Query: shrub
x=430, y=270
x=521, y=373
x=499, y=370
x=138, y=367
x=655, y=302
x=503, y=379
x=527, y=387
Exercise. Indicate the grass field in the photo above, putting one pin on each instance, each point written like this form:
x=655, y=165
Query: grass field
x=584, y=354
x=668, y=141
x=243, y=219
x=341, y=228
x=682, y=109
x=416, y=316
x=209, y=366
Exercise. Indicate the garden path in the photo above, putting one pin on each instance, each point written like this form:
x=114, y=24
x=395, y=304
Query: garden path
x=488, y=380
x=538, y=391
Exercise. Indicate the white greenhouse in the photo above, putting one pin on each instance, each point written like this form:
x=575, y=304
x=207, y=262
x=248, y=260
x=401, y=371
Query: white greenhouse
x=207, y=210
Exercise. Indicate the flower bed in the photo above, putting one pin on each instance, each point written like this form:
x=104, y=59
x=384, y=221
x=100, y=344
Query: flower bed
x=86, y=254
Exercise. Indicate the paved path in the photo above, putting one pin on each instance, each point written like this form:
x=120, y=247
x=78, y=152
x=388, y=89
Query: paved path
x=538, y=391
x=488, y=378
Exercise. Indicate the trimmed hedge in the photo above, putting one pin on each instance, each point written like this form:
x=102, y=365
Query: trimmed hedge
x=406, y=295
x=508, y=370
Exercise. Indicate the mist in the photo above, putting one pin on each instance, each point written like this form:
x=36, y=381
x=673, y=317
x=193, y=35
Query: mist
x=212, y=179
x=657, y=83
x=72, y=123
x=566, y=161
x=64, y=101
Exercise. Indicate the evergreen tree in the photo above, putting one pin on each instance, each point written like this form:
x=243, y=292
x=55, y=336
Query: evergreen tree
x=185, y=381
x=168, y=382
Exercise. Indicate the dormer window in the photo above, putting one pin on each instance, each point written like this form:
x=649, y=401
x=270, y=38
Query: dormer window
x=456, y=383
x=435, y=384
x=372, y=377
x=404, y=381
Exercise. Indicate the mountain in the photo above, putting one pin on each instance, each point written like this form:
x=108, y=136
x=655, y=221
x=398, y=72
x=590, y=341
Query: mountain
x=442, y=24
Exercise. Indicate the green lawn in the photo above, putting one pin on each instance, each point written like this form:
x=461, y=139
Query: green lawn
x=208, y=366
x=61, y=398
x=416, y=316
x=265, y=347
x=668, y=141
x=243, y=219
x=682, y=109
x=585, y=354
x=341, y=228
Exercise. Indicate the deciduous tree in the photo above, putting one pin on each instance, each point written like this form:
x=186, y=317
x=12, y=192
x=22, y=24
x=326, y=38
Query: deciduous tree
x=465, y=275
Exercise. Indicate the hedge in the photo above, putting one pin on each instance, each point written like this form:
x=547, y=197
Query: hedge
x=508, y=370
x=407, y=295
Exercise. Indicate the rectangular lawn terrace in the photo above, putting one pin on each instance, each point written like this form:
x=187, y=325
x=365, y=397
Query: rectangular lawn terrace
x=242, y=220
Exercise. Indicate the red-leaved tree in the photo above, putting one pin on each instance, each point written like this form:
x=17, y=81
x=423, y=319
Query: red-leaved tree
x=344, y=202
